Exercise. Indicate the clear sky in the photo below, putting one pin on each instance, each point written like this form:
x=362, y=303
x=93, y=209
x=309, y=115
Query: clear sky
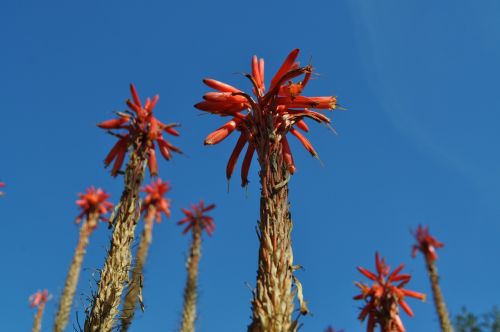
x=417, y=144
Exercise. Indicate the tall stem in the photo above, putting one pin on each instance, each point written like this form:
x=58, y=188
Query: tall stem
x=115, y=273
x=444, y=318
x=68, y=294
x=273, y=300
x=389, y=318
x=134, y=288
x=190, y=296
x=37, y=324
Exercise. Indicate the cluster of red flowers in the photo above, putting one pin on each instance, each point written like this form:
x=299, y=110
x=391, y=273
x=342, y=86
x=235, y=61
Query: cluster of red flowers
x=271, y=114
x=141, y=128
x=156, y=191
x=39, y=298
x=93, y=201
x=426, y=243
x=197, y=216
x=386, y=290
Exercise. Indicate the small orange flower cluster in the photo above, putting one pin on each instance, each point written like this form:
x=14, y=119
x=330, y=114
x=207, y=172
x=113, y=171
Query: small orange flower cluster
x=426, y=243
x=156, y=191
x=141, y=128
x=93, y=201
x=39, y=298
x=197, y=216
x=386, y=290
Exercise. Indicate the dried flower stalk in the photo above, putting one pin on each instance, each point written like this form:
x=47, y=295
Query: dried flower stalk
x=66, y=301
x=134, y=288
x=114, y=275
x=190, y=290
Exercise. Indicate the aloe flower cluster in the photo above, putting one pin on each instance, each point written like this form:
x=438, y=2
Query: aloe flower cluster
x=426, y=244
x=139, y=126
x=282, y=107
x=383, y=297
x=93, y=202
x=196, y=217
x=155, y=197
x=39, y=298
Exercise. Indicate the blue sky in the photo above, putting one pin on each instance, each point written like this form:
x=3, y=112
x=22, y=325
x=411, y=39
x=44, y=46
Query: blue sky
x=417, y=144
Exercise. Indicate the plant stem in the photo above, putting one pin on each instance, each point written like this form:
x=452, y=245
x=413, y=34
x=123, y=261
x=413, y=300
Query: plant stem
x=389, y=318
x=190, y=296
x=273, y=300
x=444, y=318
x=37, y=324
x=114, y=275
x=134, y=288
x=66, y=301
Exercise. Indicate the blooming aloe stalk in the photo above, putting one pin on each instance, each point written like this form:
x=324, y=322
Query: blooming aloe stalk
x=140, y=131
x=384, y=296
x=38, y=300
x=427, y=245
x=152, y=206
x=93, y=206
x=196, y=221
x=264, y=121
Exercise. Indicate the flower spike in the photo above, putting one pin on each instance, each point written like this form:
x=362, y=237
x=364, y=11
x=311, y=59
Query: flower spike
x=155, y=192
x=39, y=298
x=384, y=296
x=94, y=201
x=139, y=126
x=426, y=243
x=283, y=105
x=196, y=216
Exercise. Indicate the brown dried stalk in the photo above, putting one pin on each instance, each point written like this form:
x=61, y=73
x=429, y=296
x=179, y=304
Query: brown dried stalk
x=37, y=324
x=115, y=273
x=273, y=300
x=134, y=288
x=444, y=318
x=389, y=318
x=66, y=302
x=190, y=295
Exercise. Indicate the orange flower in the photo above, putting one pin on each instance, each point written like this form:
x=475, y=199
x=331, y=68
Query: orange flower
x=93, y=201
x=39, y=298
x=197, y=216
x=386, y=292
x=155, y=192
x=281, y=107
x=426, y=243
x=141, y=128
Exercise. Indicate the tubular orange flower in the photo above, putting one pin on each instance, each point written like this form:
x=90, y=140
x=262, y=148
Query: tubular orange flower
x=426, y=243
x=39, y=298
x=282, y=105
x=197, y=216
x=155, y=192
x=93, y=201
x=383, y=297
x=140, y=127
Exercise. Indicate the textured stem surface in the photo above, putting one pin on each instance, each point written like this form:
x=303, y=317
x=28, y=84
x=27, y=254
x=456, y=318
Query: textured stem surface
x=389, y=318
x=134, y=288
x=273, y=300
x=68, y=294
x=190, y=295
x=115, y=273
x=37, y=324
x=444, y=318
